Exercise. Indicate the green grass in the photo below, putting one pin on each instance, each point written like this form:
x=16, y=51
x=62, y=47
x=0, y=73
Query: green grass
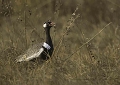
x=87, y=46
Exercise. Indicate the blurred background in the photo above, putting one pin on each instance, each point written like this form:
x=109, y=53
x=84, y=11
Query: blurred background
x=21, y=26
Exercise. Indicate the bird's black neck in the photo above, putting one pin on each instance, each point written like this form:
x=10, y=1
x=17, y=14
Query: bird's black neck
x=48, y=38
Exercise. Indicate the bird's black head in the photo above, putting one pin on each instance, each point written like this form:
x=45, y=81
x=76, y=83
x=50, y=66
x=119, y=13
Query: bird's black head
x=48, y=24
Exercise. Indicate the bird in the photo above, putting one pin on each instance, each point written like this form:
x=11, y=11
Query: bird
x=42, y=50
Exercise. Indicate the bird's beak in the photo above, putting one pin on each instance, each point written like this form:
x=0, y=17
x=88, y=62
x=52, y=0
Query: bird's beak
x=52, y=24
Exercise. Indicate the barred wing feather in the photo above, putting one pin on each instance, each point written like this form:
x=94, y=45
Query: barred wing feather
x=33, y=52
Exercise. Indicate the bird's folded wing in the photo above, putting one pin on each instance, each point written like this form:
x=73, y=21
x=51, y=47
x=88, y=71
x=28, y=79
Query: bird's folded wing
x=30, y=56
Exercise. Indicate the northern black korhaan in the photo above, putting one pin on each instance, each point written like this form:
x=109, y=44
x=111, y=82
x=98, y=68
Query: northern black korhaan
x=41, y=50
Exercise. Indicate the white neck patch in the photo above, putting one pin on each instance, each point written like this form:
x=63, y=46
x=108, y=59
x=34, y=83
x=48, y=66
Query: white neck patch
x=45, y=25
x=46, y=46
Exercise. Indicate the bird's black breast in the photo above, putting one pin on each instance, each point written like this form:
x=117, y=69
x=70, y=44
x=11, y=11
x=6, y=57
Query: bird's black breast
x=46, y=54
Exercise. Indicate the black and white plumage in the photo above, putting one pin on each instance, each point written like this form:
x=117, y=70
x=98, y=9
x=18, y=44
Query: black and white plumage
x=43, y=50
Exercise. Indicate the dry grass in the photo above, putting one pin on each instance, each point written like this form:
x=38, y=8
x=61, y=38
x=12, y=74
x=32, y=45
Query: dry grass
x=86, y=50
